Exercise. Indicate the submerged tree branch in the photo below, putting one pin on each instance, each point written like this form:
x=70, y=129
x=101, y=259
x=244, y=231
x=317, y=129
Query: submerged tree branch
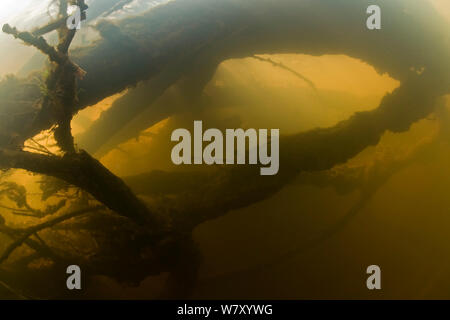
x=85, y=172
x=24, y=234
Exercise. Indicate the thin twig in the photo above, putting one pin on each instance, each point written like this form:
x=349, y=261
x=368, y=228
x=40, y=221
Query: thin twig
x=282, y=66
x=27, y=232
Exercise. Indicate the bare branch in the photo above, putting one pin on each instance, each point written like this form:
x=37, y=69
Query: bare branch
x=38, y=42
x=27, y=232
